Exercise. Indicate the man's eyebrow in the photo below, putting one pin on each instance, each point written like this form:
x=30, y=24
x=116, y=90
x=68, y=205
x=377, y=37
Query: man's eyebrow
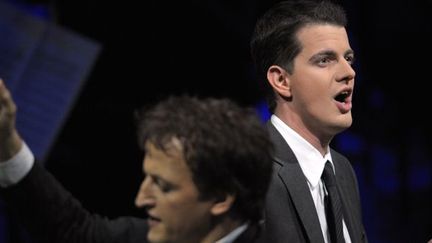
x=152, y=176
x=326, y=53
x=349, y=52
x=323, y=53
x=157, y=178
x=329, y=53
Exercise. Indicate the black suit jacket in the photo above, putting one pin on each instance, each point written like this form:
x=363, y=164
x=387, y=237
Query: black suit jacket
x=53, y=215
x=290, y=214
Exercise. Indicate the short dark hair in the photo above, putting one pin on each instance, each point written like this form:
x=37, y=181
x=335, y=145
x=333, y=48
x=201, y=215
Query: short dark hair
x=226, y=147
x=274, y=41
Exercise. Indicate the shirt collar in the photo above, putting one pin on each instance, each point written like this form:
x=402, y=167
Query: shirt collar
x=229, y=238
x=310, y=159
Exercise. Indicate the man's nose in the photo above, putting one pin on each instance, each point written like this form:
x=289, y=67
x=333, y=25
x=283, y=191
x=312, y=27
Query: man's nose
x=144, y=197
x=346, y=72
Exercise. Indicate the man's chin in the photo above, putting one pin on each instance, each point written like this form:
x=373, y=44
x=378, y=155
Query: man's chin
x=155, y=237
x=344, y=123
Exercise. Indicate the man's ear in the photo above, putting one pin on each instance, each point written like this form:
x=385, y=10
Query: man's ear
x=279, y=79
x=222, y=204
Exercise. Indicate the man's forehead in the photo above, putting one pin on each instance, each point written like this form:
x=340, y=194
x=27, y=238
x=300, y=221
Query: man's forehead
x=317, y=38
x=167, y=145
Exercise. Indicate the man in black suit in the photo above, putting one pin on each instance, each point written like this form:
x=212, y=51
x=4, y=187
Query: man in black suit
x=207, y=165
x=301, y=49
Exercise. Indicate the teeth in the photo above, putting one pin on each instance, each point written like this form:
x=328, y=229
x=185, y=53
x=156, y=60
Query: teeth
x=342, y=96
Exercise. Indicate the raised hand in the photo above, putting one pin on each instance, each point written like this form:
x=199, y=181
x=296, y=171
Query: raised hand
x=10, y=141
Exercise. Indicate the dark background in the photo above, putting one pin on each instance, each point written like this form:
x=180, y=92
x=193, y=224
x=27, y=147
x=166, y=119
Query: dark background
x=156, y=48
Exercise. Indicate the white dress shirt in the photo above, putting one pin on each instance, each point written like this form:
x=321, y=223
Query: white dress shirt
x=16, y=168
x=229, y=238
x=312, y=164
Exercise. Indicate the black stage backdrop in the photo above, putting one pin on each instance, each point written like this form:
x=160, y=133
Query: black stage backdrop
x=155, y=48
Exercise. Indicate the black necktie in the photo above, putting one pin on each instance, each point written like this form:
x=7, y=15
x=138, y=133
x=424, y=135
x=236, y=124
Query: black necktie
x=333, y=205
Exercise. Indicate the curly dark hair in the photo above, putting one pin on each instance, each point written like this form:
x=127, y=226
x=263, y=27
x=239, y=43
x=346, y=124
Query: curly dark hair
x=226, y=147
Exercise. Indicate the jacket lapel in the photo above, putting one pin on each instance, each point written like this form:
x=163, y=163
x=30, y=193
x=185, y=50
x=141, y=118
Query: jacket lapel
x=348, y=216
x=294, y=180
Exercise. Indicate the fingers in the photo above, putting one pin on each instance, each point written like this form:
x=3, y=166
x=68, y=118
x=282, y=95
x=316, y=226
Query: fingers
x=7, y=111
x=10, y=141
x=7, y=106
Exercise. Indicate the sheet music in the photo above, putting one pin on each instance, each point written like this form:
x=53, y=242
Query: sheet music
x=45, y=66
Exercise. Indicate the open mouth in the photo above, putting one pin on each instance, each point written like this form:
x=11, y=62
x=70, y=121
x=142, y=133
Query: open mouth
x=152, y=221
x=342, y=96
x=153, y=218
x=343, y=100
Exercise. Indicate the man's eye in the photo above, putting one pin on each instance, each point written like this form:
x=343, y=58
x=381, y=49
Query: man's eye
x=163, y=186
x=324, y=60
x=350, y=59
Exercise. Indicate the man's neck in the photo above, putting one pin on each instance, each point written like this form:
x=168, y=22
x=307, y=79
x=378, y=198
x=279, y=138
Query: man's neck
x=320, y=142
